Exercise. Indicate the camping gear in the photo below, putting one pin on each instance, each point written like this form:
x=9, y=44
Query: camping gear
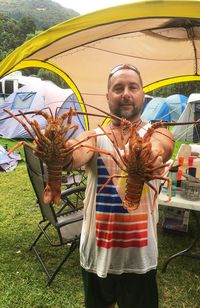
x=8, y=163
x=167, y=109
x=190, y=113
x=36, y=96
x=156, y=110
x=191, y=187
x=175, y=220
x=65, y=221
x=177, y=104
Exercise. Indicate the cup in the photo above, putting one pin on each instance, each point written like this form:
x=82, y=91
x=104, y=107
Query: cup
x=173, y=176
x=181, y=160
x=179, y=178
x=191, y=171
x=190, y=160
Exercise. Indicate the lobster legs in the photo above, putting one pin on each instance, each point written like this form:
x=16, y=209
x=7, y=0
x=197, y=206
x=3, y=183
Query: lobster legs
x=50, y=145
x=138, y=164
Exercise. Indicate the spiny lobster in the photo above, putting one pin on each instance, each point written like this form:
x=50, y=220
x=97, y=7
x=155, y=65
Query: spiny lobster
x=51, y=146
x=137, y=164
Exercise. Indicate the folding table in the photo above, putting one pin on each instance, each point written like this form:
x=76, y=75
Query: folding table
x=179, y=201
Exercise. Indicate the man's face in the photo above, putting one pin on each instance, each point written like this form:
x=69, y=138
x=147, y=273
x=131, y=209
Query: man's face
x=125, y=94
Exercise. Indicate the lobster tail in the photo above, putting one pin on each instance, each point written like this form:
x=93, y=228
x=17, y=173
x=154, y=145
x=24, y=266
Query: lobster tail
x=52, y=191
x=132, y=197
x=47, y=197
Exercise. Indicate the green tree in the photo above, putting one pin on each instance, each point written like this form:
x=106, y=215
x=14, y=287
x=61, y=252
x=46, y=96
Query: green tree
x=45, y=13
x=45, y=74
x=31, y=35
x=184, y=88
x=21, y=20
x=14, y=33
x=7, y=35
x=26, y=25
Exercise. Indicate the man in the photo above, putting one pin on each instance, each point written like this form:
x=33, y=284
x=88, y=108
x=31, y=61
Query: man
x=118, y=249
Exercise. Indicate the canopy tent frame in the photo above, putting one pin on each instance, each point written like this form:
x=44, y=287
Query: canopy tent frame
x=161, y=38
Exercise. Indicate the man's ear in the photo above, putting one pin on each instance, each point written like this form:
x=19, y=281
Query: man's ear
x=144, y=99
x=107, y=96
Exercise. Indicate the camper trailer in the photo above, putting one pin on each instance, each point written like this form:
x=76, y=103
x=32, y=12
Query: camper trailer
x=12, y=82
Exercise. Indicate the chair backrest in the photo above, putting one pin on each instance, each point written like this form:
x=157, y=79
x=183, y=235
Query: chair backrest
x=37, y=177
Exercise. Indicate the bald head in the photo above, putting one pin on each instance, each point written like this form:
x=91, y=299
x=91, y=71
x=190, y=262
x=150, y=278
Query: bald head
x=124, y=67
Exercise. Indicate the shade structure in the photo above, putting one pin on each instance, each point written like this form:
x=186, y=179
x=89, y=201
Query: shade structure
x=161, y=38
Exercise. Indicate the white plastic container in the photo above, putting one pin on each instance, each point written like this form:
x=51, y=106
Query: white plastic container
x=196, y=164
x=185, y=151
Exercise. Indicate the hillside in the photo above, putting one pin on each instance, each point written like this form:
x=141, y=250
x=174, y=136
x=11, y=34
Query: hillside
x=44, y=13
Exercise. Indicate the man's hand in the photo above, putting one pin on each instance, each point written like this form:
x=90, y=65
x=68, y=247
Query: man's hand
x=68, y=160
x=157, y=157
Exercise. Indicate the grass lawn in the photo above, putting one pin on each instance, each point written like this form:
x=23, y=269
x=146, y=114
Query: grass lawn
x=22, y=282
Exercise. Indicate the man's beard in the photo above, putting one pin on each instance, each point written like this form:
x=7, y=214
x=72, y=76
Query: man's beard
x=127, y=114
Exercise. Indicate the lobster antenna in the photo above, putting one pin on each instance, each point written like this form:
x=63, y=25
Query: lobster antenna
x=48, y=108
x=182, y=134
x=34, y=112
x=18, y=114
x=82, y=125
x=78, y=113
x=57, y=110
x=110, y=115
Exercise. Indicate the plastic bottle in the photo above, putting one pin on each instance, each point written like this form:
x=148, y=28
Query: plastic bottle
x=173, y=176
x=184, y=151
x=181, y=160
x=179, y=178
x=191, y=169
x=182, y=163
x=190, y=161
x=196, y=164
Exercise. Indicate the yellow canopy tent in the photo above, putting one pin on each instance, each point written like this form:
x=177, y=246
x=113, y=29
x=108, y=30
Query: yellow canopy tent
x=161, y=38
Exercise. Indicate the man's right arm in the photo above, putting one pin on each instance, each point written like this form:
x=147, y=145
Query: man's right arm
x=81, y=155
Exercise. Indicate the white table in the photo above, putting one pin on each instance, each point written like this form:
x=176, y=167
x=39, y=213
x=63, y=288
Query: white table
x=178, y=201
x=194, y=206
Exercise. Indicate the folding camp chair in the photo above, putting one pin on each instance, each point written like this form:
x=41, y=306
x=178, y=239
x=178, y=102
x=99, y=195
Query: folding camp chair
x=74, y=178
x=66, y=221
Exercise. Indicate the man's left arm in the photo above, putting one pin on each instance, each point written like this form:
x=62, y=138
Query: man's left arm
x=162, y=141
x=162, y=147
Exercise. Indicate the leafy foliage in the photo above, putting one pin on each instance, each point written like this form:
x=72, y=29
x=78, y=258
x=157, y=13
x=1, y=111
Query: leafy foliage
x=9, y=35
x=45, y=13
x=184, y=88
x=45, y=74
x=48, y=75
x=20, y=20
